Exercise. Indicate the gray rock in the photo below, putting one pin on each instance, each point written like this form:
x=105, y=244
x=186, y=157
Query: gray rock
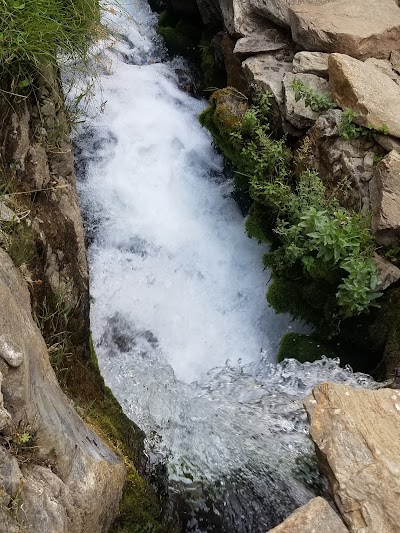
x=395, y=60
x=6, y=214
x=256, y=44
x=388, y=273
x=240, y=19
x=10, y=351
x=385, y=200
x=357, y=436
x=267, y=71
x=297, y=113
x=345, y=166
x=373, y=96
x=316, y=516
x=10, y=474
x=278, y=10
x=388, y=142
x=385, y=66
x=360, y=28
x=86, y=488
x=311, y=63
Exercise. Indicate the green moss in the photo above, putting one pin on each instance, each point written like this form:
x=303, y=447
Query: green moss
x=304, y=348
x=213, y=76
x=167, y=19
x=176, y=42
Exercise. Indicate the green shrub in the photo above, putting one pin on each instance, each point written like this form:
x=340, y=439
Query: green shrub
x=313, y=99
x=304, y=348
x=34, y=32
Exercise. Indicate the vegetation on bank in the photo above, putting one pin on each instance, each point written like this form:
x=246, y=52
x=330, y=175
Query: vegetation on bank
x=34, y=32
x=312, y=236
x=321, y=254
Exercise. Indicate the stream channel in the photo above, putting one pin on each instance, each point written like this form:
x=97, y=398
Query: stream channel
x=184, y=336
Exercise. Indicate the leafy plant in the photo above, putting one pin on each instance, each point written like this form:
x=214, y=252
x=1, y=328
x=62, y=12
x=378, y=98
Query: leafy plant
x=348, y=129
x=316, y=101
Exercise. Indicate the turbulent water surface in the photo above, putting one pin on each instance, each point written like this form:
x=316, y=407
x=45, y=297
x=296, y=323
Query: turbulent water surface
x=182, y=330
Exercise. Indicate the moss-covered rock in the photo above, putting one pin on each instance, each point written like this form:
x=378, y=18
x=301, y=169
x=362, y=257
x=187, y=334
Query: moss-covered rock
x=304, y=348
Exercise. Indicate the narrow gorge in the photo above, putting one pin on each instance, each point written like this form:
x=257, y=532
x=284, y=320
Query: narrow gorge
x=166, y=167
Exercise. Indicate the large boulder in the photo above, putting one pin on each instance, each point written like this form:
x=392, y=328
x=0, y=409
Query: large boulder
x=360, y=28
x=385, y=200
x=278, y=10
x=357, y=438
x=370, y=93
x=316, y=515
x=73, y=481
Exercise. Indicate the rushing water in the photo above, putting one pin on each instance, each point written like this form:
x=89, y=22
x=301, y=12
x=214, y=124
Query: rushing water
x=182, y=330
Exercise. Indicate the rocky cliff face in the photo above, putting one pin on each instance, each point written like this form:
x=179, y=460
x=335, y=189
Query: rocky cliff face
x=56, y=473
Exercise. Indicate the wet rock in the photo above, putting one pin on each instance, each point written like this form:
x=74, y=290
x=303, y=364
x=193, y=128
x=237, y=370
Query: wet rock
x=311, y=63
x=316, y=515
x=296, y=112
x=372, y=95
x=233, y=65
x=361, y=28
x=357, y=437
x=388, y=273
x=278, y=10
x=385, y=200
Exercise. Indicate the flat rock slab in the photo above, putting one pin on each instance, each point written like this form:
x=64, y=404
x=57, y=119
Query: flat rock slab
x=311, y=63
x=372, y=95
x=360, y=28
x=257, y=44
x=297, y=113
x=317, y=516
x=278, y=10
x=267, y=71
x=385, y=200
x=357, y=437
x=388, y=273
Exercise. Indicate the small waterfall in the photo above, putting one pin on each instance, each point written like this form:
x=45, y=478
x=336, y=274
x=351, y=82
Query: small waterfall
x=184, y=336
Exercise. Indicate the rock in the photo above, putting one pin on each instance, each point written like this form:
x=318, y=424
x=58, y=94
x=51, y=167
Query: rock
x=345, y=166
x=10, y=474
x=5, y=417
x=233, y=65
x=316, y=515
x=10, y=351
x=311, y=63
x=297, y=113
x=7, y=214
x=278, y=10
x=388, y=273
x=210, y=12
x=388, y=142
x=357, y=437
x=395, y=60
x=256, y=44
x=385, y=66
x=81, y=491
x=240, y=18
x=372, y=95
x=267, y=71
x=385, y=200
x=360, y=28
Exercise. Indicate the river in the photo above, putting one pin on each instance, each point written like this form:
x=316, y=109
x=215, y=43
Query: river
x=183, y=333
